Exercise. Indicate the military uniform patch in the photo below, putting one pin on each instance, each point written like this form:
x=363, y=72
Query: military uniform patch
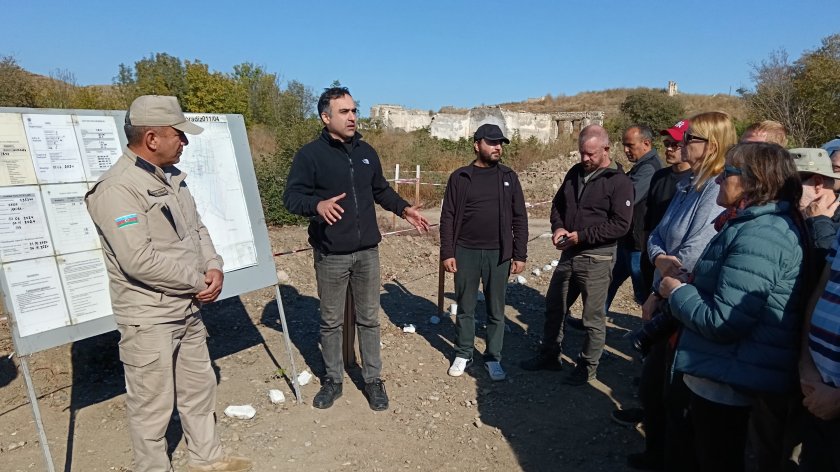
x=126, y=220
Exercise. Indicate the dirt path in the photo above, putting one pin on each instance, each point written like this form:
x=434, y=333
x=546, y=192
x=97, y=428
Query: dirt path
x=530, y=422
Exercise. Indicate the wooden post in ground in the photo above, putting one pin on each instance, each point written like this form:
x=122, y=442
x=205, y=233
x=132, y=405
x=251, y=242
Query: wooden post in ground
x=441, y=280
x=417, y=186
x=396, y=189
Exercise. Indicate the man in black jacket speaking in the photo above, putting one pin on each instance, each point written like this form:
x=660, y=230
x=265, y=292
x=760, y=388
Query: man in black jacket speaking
x=335, y=181
x=590, y=212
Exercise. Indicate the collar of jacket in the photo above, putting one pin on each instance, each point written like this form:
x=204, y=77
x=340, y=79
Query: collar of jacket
x=755, y=211
x=647, y=156
x=157, y=172
x=613, y=168
x=326, y=136
x=468, y=170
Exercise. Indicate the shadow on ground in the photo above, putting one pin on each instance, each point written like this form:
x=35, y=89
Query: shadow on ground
x=98, y=373
x=537, y=414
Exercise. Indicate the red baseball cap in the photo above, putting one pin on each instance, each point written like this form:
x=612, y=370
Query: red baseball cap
x=677, y=131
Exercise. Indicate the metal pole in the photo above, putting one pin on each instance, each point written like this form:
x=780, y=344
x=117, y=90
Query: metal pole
x=417, y=186
x=36, y=412
x=288, y=343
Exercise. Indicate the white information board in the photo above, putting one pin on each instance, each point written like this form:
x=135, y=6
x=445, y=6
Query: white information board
x=52, y=268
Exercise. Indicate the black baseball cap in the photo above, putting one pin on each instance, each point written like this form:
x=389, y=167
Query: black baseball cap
x=491, y=132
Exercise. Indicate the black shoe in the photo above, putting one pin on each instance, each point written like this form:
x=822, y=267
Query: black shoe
x=576, y=323
x=330, y=391
x=542, y=361
x=645, y=461
x=377, y=397
x=582, y=375
x=628, y=417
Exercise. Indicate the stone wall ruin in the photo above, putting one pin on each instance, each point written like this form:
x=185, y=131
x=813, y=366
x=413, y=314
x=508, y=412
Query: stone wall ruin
x=544, y=127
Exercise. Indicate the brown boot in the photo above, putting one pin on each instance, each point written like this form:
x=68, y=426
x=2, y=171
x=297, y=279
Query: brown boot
x=225, y=464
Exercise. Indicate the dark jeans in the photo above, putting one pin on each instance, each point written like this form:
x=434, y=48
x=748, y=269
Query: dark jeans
x=628, y=263
x=334, y=272
x=652, y=395
x=720, y=434
x=474, y=266
x=775, y=429
x=820, y=440
x=647, y=272
x=679, y=434
x=575, y=276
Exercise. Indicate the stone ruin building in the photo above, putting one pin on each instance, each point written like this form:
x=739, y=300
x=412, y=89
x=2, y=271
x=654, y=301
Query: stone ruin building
x=543, y=126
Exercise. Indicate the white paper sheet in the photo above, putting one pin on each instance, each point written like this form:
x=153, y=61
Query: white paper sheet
x=213, y=177
x=70, y=225
x=15, y=161
x=99, y=143
x=37, y=296
x=23, y=226
x=85, y=282
x=55, y=152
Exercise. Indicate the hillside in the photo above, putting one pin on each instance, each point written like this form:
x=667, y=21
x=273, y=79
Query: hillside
x=608, y=101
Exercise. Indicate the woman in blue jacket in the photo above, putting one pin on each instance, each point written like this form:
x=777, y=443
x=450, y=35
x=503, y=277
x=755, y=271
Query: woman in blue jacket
x=740, y=306
x=674, y=247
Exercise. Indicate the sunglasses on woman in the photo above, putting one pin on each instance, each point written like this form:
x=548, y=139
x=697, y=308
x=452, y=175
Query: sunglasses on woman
x=730, y=170
x=688, y=138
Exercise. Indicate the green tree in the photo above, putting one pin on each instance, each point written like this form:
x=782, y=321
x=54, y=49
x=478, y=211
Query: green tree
x=273, y=170
x=212, y=92
x=92, y=98
x=300, y=100
x=817, y=84
x=262, y=90
x=775, y=97
x=651, y=107
x=16, y=85
x=803, y=95
x=158, y=74
x=59, y=91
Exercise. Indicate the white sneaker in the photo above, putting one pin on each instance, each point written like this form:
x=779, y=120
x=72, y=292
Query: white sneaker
x=495, y=370
x=459, y=365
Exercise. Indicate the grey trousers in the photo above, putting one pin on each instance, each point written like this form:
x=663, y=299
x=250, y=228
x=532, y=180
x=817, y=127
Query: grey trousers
x=334, y=273
x=589, y=278
x=474, y=266
x=166, y=365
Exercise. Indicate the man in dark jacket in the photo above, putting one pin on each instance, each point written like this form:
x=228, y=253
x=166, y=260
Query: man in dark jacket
x=339, y=167
x=483, y=226
x=663, y=186
x=638, y=147
x=591, y=211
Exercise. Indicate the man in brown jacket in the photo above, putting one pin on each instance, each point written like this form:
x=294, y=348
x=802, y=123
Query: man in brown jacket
x=162, y=267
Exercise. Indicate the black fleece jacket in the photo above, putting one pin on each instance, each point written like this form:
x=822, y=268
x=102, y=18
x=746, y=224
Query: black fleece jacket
x=325, y=168
x=600, y=210
x=514, y=218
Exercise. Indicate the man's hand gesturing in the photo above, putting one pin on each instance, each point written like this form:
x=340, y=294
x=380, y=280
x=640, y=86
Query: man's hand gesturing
x=329, y=210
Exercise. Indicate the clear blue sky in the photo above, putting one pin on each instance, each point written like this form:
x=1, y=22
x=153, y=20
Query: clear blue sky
x=427, y=54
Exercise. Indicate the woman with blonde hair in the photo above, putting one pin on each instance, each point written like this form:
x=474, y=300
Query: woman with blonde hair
x=673, y=247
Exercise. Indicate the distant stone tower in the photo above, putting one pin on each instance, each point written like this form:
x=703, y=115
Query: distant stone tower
x=672, y=88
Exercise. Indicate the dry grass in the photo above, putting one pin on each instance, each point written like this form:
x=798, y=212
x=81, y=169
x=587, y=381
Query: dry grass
x=609, y=101
x=438, y=158
x=263, y=141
